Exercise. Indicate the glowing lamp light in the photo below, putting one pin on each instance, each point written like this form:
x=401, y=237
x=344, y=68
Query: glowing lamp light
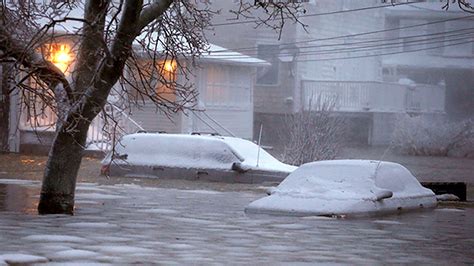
x=169, y=66
x=60, y=56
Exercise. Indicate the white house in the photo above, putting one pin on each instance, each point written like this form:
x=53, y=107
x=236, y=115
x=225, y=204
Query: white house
x=224, y=105
x=445, y=57
x=339, y=57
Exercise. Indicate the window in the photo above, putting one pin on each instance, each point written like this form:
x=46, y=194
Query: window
x=226, y=86
x=268, y=75
x=165, y=87
x=156, y=80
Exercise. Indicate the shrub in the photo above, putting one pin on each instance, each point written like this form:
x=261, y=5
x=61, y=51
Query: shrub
x=314, y=134
x=434, y=136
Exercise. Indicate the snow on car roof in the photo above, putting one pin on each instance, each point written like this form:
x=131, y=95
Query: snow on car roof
x=176, y=151
x=249, y=151
x=345, y=187
x=181, y=150
x=350, y=178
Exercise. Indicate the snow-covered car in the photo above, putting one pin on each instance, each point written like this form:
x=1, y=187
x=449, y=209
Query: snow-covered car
x=347, y=188
x=204, y=157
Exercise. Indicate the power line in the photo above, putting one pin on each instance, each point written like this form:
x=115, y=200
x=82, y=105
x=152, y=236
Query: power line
x=443, y=37
x=317, y=14
x=373, y=47
x=395, y=46
x=444, y=33
x=390, y=53
x=253, y=48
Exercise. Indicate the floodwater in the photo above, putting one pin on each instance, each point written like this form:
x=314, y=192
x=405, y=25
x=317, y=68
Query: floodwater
x=133, y=224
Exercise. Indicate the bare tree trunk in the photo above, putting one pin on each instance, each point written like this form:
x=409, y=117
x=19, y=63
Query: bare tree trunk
x=59, y=181
x=4, y=107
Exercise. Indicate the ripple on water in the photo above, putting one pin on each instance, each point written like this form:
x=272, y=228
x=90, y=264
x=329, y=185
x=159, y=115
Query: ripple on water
x=20, y=258
x=118, y=250
x=55, y=238
x=159, y=211
x=291, y=226
x=180, y=246
x=91, y=225
x=73, y=254
x=387, y=222
x=193, y=220
x=449, y=210
x=97, y=196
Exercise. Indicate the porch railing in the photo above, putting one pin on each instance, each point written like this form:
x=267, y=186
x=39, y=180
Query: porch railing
x=353, y=96
x=102, y=134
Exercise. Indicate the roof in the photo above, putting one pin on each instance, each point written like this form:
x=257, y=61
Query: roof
x=214, y=53
x=219, y=54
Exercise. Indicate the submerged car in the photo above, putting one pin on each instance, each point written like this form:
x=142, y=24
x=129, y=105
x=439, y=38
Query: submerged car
x=346, y=188
x=205, y=157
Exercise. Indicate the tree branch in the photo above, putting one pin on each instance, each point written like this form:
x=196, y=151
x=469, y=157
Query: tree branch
x=127, y=31
x=152, y=12
x=87, y=61
x=44, y=69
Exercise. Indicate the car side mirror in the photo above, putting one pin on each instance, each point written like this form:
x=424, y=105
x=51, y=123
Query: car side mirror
x=120, y=156
x=383, y=194
x=238, y=167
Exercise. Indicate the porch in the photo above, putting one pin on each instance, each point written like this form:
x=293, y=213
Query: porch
x=37, y=132
x=374, y=97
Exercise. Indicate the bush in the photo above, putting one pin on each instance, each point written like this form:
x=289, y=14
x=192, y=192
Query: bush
x=314, y=134
x=434, y=136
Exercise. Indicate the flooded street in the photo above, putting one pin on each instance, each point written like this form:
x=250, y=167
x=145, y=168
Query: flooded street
x=130, y=224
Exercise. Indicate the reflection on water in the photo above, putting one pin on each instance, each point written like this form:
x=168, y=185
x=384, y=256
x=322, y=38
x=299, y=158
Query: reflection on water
x=17, y=198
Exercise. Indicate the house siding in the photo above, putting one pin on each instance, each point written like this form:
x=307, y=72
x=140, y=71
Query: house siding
x=225, y=99
x=154, y=120
x=226, y=95
x=239, y=122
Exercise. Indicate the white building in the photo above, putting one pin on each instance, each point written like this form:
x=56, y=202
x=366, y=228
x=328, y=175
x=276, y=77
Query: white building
x=224, y=105
x=337, y=57
x=445, y=55
x=225, y=83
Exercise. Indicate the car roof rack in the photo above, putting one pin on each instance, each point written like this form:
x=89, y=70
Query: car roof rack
x=206, y=133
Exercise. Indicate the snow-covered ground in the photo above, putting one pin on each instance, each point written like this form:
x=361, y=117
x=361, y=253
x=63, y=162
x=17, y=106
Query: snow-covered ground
x=346, y=187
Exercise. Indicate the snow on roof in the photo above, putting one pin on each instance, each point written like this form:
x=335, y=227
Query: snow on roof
x=221, y=54
x=346, y=187
x=214, y=52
